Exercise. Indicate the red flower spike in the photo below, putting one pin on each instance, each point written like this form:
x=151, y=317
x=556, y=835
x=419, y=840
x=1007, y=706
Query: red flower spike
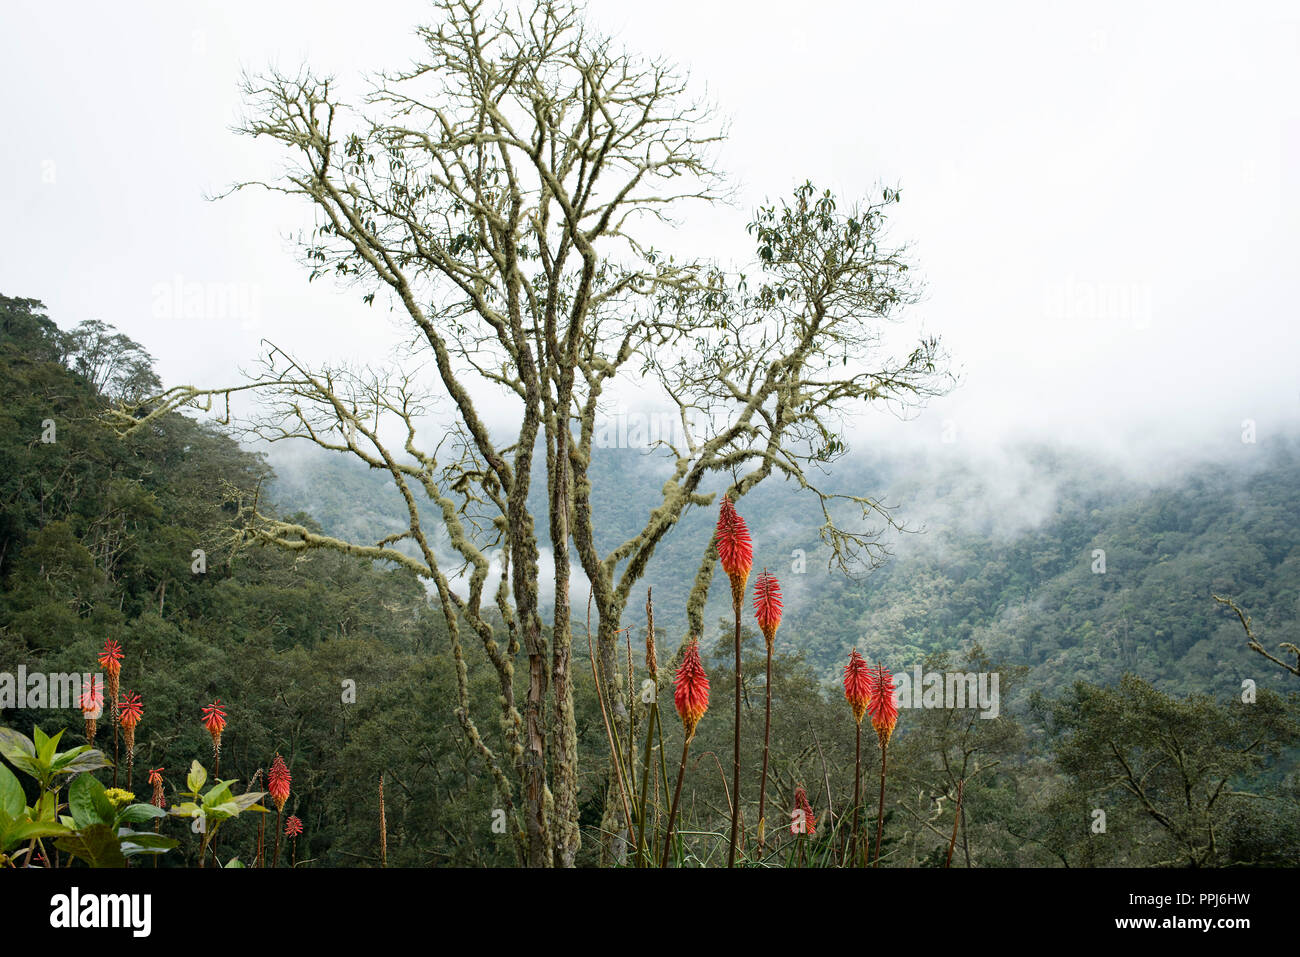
x=214, y=719
x=277, y=783
x=155, y=776
x=735, y=550
x=806, y=821
x=767, y=606
x=691, y=689
x=883, y=708
x=857, y=685
x=292, y=826
x=130, y=710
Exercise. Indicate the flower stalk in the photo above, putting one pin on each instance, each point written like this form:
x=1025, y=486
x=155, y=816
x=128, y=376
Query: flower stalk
x=691, y=696
x=857, y=691
x=884, y=716
x=736, y=554
x=767, y=611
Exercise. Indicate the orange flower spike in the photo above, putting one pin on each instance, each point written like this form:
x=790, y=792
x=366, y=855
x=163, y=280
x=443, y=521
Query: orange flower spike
x=691, y=689
x=806, y=821
x=130, y=710
x=857, y=685
x=292, y=826
x=110, y=659
x=767, y=606
x=735, y=550
x=277, y=783
x=883, y=708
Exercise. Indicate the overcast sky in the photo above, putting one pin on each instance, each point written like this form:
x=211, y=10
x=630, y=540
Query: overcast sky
x=1102, y=197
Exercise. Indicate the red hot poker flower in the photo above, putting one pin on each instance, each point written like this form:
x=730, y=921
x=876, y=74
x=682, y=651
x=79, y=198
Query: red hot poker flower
x=214, y=719
x=92, y=702
x=767, y=605
x=691, y=691
x=158, y=799
x=277, y=783
x=110, y=659
x=130, y=710
x=735, y=550
x=92, y=706
x=804, y=822
x=292, y=826
x=883, y=708
x=857, y=685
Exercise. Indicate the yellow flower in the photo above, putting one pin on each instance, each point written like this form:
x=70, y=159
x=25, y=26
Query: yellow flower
x=119, y=797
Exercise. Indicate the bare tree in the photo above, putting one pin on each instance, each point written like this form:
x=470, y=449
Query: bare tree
x=497, y=193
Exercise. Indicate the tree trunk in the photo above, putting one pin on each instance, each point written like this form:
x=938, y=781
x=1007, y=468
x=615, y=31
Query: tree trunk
x=567, y=835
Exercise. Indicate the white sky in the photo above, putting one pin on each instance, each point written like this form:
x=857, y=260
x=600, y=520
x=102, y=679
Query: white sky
x=1103, y=197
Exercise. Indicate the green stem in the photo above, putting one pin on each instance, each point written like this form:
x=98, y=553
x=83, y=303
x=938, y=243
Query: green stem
x=677, y=793
x=857, y=794
x=762, y=781
x=735, y=765
x=642, y=857
x=880, y=814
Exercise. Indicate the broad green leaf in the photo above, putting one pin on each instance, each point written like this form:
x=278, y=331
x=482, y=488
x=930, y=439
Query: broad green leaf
x=144, y=842
x=248, y=801
x=63, y=759
x=15, y=744
x=97, y=845
x=88, y=802
x=197, y=777
x=136, y=813
x=12, y=799
x=46, y=750
x=233, y=862
x=90, y=760
x=24, y=831
x=28, y=765
x=219, y=794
